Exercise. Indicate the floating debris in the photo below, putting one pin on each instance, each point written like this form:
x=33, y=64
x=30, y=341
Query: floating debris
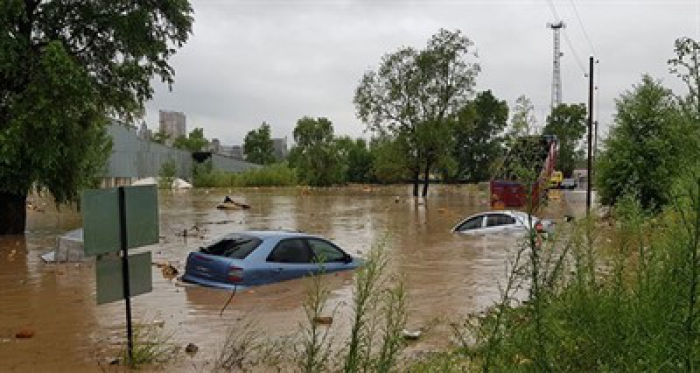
x=167, y=269
x=410, y=335
x=323, y=320
x=191, y=348
x=230, y=204
x=24, y=334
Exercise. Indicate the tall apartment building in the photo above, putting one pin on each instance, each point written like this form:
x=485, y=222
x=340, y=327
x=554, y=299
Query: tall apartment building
x=173, y=123
x=280, y=146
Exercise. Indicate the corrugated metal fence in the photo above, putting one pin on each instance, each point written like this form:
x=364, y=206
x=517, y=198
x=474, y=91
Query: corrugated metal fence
x=135, y=158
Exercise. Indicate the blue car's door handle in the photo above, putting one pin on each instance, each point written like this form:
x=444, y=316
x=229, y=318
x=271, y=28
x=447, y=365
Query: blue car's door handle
x=279, y=269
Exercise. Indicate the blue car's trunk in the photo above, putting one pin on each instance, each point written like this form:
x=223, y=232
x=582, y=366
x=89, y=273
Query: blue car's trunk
x=214, y=268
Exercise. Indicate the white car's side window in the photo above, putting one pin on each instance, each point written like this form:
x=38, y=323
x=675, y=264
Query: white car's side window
x=473, y=223
x=496, y=220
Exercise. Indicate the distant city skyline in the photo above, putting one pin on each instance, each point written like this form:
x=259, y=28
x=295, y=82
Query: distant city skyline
x=174, y=123
x=266, y=61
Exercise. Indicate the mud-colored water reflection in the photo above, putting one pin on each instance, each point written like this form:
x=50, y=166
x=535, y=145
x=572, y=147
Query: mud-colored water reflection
x=446, y=276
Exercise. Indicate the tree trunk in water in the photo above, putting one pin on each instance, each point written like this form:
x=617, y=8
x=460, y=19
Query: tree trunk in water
x=426, y=179
x=13, y=213
x=416, y=182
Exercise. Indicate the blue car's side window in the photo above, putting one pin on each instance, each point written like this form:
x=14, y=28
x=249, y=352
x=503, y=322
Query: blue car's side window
x=292, y=250
x=325, y=252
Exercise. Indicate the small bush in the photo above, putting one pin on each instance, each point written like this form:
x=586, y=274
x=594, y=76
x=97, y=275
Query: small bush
x=152, y=345
x=167, y=173
x=239, y=349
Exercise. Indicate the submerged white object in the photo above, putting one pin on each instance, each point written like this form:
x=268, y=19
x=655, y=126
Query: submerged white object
x=180, y=184
x=69, y=248
x=146, y=181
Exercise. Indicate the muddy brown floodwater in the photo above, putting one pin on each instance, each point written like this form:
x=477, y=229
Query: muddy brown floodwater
x=446, y=276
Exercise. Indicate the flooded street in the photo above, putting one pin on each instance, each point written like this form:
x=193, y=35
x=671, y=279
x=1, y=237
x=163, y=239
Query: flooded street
x=446, y=276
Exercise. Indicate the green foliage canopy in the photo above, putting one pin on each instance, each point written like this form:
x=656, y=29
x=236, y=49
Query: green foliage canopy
x=414, y=93
x=568, y=123
x=315, y=155
x=160, y=137
x=258, y=146
x=390, y=164
x=477, y=136
x=195, y=142
x=643, y=152
x=64, y=66
x=686, y=65
x=523, y=119
x=357, y=159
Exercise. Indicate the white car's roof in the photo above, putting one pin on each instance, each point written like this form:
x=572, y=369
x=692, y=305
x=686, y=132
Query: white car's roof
x=516, y=213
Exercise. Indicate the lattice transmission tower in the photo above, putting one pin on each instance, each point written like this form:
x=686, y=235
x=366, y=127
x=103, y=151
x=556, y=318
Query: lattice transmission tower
x=556, y=73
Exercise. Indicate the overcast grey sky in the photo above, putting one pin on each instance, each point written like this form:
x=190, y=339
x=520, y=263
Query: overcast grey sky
x=250, y=61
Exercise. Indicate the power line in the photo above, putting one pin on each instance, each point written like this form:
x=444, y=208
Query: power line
x=554, y=10
x=585, y=33
x=573, y=51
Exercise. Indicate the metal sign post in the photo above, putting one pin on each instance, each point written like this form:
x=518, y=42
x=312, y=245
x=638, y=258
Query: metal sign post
x=123, y=234
x=114, y=221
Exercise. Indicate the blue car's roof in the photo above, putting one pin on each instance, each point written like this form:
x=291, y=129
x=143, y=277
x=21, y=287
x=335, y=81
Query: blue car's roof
x=264, y=234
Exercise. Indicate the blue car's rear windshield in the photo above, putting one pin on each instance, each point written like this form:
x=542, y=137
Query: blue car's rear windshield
x=236, y=247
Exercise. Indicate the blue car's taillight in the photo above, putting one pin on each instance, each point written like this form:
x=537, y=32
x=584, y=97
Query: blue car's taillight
x=235, y=274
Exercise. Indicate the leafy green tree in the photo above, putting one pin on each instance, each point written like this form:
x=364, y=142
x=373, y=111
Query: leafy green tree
x=644, y=150
x=523, y=121
x=315, y=155
x=258, y=146
x=686, y=65
x=357, y=159
x=413, y=96
x=195, y=142
x=65, y=66
x=478, y=141
x=568, y=123
x=389, y=162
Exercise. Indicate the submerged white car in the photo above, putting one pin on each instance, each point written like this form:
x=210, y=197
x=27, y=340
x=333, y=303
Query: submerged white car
x=506, y=221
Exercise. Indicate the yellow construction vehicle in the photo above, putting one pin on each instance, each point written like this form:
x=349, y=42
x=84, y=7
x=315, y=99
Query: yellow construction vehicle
x=556, y=179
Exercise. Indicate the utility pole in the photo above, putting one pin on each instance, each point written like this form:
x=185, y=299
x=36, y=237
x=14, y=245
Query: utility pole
x=590, y=136
x=556, y=73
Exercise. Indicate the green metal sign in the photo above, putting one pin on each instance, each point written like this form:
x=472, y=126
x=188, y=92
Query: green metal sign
x=101, y=233
x=116, y=220
x=110, y=278
x=141, y=215
x=100, y=221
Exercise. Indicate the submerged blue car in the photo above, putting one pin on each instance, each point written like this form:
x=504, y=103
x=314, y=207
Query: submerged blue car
x=239, y=260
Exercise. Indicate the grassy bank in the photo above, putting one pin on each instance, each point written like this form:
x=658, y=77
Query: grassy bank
x=274, y=175
x=615, y=295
